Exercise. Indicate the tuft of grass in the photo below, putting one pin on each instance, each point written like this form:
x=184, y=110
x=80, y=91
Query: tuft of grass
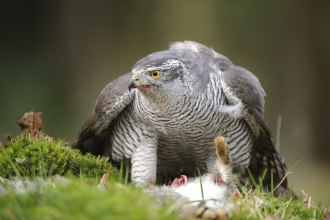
x=255, y=204
x=29, y=156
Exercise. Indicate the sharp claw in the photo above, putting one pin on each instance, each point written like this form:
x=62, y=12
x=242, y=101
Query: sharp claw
x=175, y=183
x=183, y=180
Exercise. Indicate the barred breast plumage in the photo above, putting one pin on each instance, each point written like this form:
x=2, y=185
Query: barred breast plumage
x=177, y=102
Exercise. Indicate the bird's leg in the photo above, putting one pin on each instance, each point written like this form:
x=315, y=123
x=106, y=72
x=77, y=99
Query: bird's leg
x=183, y=180
x=144, y=165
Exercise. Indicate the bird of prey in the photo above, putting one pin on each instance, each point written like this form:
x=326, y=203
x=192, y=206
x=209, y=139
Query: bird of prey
x=162, y=117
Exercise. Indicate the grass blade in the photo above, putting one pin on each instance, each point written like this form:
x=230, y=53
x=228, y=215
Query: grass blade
x=261, y=180
x=278, y=132
x=271, y=183
x=126, y=176
x=18, y=174
x=121, y=170
x=252, y=179
x=201, y=183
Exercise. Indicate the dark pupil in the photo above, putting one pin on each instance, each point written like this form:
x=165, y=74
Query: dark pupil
x=154, y=73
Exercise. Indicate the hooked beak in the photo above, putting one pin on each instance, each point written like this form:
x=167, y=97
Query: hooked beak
x=133, y=82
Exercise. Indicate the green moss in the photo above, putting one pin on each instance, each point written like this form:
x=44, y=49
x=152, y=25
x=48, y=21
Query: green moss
x=45, y=157
x=74, y=198
x=78, y=200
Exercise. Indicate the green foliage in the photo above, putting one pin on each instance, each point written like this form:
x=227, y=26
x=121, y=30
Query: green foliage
x=78, y=200
x=45, y=157
x=255, y=204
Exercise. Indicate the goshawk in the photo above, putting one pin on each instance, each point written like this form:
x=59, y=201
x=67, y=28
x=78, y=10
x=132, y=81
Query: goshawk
x=162, y=117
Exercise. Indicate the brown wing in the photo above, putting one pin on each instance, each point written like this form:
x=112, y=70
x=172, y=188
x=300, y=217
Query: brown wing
x=245, y=86
x=94, y=135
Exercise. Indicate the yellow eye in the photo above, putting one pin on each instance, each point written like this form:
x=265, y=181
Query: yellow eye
x=155, y=74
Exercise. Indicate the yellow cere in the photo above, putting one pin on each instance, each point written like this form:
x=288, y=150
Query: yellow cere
x=135, y=77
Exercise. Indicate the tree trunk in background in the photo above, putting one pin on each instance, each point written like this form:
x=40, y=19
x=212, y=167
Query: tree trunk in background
x=320, y=51
x=307, y=76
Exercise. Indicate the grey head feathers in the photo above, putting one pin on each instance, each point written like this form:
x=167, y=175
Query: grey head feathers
x=220, y=60
x=192, y=68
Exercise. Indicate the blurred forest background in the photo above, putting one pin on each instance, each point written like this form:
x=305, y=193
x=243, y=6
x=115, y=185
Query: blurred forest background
x=56, y=58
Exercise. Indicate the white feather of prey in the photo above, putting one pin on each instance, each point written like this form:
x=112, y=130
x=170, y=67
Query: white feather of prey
x=214, y=195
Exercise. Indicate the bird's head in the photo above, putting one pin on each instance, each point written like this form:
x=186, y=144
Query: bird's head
x=167, y=73
x=159, y=74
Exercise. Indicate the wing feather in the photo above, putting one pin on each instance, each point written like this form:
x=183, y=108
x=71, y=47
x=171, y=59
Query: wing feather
x=246, y=87
x=113, y=99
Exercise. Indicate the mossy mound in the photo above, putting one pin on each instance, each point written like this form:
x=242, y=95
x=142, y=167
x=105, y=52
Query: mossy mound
x=43, y=196
x=78, y=199
x=46, y=157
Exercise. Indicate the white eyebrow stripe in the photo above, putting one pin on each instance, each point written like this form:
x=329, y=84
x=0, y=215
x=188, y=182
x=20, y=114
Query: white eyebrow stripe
x=169, y=64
